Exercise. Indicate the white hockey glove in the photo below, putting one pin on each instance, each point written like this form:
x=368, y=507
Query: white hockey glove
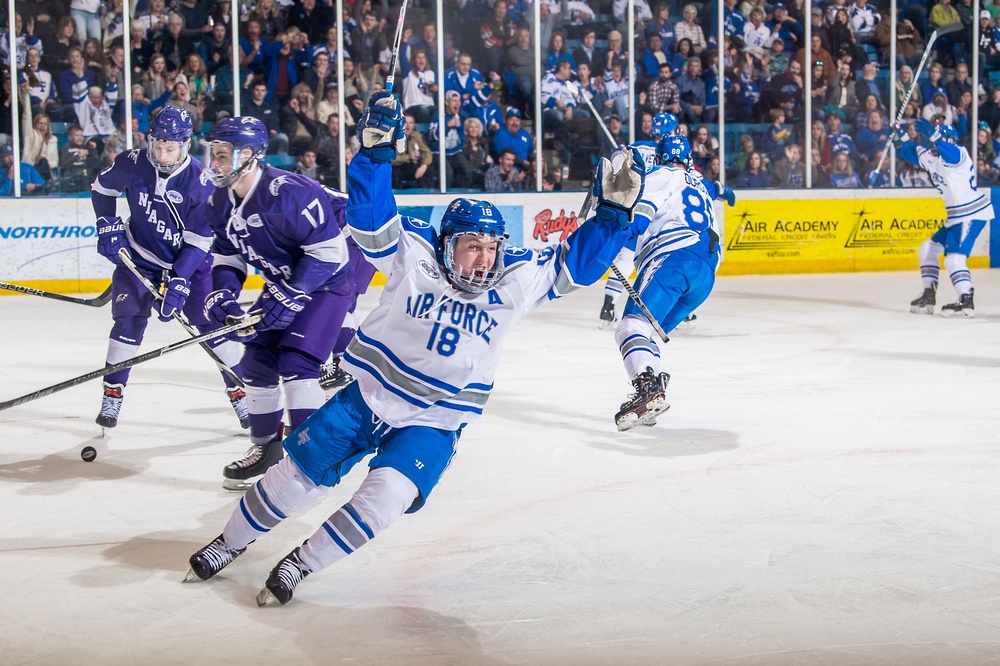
x=617, y=192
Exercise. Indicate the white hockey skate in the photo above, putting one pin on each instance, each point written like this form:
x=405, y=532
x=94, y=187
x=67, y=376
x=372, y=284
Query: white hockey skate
x=111, y=406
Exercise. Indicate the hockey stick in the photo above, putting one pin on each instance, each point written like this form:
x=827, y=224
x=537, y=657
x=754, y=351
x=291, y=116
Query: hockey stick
x=391, y=78
x=939, y=32
x=245, y=322
x=96, y=302
x=179, y=317
x=638, y=301
x=588, y=203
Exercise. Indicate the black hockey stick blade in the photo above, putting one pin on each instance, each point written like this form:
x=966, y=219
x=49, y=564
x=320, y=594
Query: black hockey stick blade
x=246, y=322
x=96, y=302
x=947, y=30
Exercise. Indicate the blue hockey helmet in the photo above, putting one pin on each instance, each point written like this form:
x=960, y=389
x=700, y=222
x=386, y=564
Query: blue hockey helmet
x=674, y=148
x=948, y=133
x=478, y=218
x=225, y=144
x=664, y=123
x=170, y=133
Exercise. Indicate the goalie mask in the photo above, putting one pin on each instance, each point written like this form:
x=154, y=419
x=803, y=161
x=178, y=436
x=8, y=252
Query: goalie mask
x=472, y=227
x=225, y=143
x=169, y=139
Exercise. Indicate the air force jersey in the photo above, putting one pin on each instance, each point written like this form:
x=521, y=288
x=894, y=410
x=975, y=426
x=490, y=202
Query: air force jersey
x=427, y=354
x=955, y=179
x=166, y=212
x=284, y=218
x=678, y=207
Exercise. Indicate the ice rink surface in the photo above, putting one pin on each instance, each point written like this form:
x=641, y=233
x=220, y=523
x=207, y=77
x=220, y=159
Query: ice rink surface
x=824, y=490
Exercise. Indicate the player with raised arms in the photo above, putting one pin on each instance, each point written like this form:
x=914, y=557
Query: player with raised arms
x=969, y=209
x=424, y=360
x=664, y=123
x=291, y=229
x=677, y=256
x=168, y=239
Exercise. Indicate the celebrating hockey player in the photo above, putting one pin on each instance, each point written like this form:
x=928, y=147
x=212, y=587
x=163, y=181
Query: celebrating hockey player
x=290, y=228
x=954, y=175
x=424, y=359
x=677, y=256
x=168, y=239
x=664, y=123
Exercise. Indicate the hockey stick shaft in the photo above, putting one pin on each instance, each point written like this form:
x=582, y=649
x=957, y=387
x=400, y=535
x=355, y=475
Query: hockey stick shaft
x=148, y=356
x=179, y=317
x=573, y=88
x=939, y=32
x=391, y=78
x=638, y=301
x=96, y=302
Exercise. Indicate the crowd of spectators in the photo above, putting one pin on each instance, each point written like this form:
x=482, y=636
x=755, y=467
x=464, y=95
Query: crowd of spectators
x=71, y=56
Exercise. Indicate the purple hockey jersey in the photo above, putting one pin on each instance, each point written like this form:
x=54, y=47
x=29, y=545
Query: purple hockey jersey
x=289, y=227
x=165, y=211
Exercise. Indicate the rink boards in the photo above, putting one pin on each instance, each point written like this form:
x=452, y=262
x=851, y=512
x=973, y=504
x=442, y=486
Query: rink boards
x=51, y=243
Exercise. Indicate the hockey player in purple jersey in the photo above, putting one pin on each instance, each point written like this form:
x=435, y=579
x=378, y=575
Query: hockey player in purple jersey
x=424, y=360
x=291, y=229
x=168, y=238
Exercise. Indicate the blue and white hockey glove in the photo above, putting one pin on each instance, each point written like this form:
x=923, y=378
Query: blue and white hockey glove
x=617, y=193
x=380, y=129
x=928, y=129
x=175, y=294
x=900, y=135
x=280, y=303
x=725, y=193
x=111, y=238
x=221, y=307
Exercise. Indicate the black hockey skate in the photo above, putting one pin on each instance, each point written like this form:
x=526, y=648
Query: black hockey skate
x=111, y=405
x=925, y=303
x=688, y=322
x=280, y=585
x=332, y=378
x=238, y=399
x=211, y=559
x=239, y=474
x=608, y=317
x=963, y=308
x=647, y=401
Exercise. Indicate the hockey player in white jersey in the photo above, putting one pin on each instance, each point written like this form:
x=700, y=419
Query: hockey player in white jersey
x=664, y=123
x=424, y=359
x=677, y=256
x=969, y=209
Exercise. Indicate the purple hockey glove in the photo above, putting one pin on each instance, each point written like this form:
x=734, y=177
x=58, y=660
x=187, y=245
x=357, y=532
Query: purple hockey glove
x=280, y=304
x=111, y=238
x=174, y=296
x=221, y=307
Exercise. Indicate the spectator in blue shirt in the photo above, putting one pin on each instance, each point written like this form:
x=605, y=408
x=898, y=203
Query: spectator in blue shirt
x=653, y=55
x=31, y=181
x=512, y=136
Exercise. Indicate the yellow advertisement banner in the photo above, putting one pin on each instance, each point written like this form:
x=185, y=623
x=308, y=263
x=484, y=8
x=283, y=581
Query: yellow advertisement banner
x=828, y=235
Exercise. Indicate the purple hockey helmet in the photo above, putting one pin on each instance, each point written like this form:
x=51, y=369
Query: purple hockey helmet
x=169, y=139
x=242, y=132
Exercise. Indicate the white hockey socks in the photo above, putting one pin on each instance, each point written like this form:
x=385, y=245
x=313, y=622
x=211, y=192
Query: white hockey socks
x=639, y=351
x=283, y=490
x=928, y=253
x=958, y=271
x=383, y=498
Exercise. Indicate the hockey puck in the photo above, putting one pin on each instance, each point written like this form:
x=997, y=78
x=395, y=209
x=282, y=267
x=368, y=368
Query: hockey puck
x=88, y=454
